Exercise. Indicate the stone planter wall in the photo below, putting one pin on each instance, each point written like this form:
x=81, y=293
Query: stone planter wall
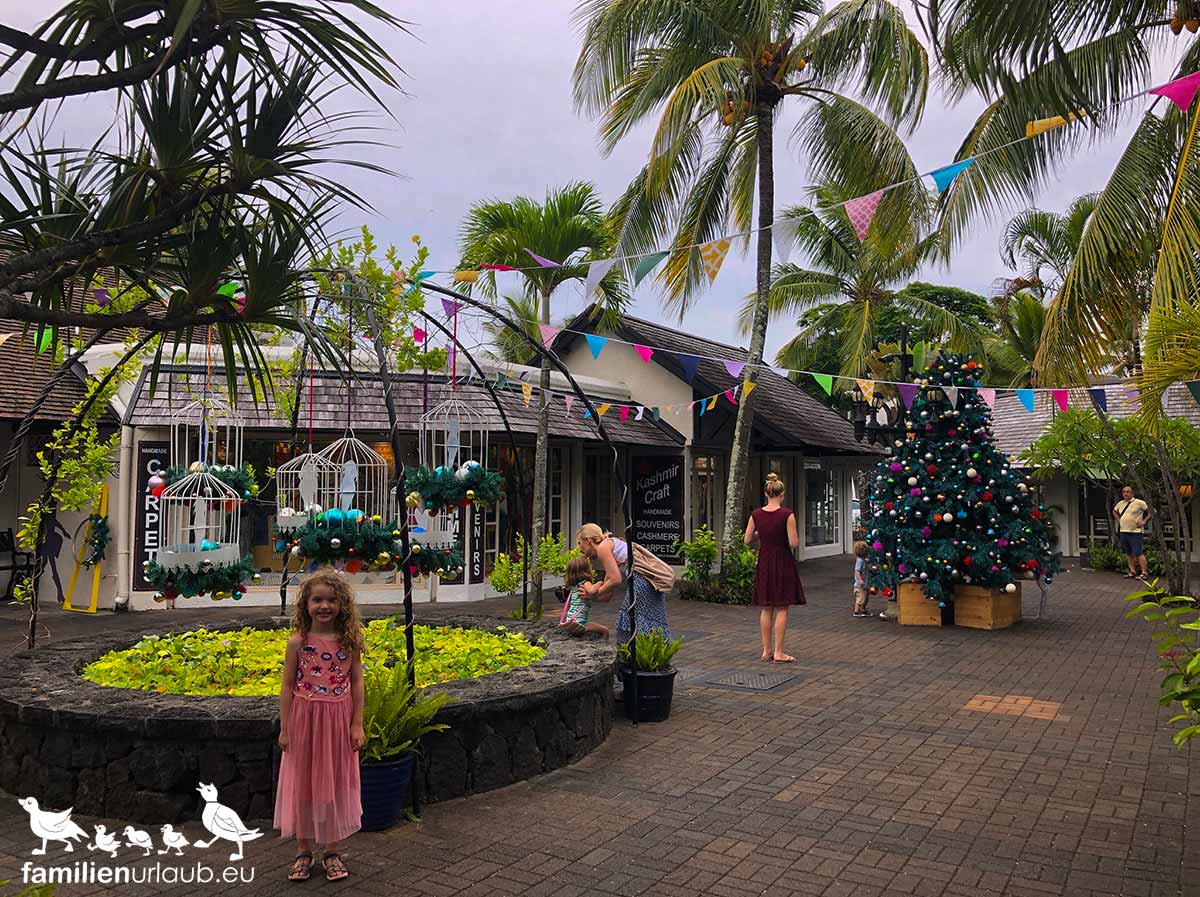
x=138, y=756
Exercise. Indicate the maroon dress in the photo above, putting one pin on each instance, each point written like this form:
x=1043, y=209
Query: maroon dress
x=776, y=582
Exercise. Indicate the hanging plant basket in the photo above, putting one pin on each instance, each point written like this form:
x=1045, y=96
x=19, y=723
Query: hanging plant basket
x=225, y=581
x=446, y=487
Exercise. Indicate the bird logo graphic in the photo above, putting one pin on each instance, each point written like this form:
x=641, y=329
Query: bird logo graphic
x=223, y=823
x=173, y=840
x=105, y=841
x=138, y=838
x=50, y=826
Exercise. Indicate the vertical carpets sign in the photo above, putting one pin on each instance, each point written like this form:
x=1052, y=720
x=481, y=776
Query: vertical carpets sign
x=151, y=459
x=658, y=503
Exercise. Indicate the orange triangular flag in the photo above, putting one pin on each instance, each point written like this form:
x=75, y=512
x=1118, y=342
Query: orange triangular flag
x=748, y=387
x=1042, y=125
x=527, y=392
x=603, y=409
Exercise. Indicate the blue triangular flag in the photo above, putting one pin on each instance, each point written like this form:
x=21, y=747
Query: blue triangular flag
x=1026, y=397
x=596, y=343
x=690, y=364
x=944, y=176
x=1100, y=397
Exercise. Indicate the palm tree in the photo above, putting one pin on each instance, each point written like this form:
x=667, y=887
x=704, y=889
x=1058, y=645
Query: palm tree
x=1138, y=252
x=1046, y=242
x=1012, y=353
x=860, y=278
x=510, y=345
x=569, y=227
x=714, y=73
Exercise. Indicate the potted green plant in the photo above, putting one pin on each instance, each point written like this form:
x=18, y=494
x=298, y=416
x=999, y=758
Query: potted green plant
x=655, y=678
x=395, y=717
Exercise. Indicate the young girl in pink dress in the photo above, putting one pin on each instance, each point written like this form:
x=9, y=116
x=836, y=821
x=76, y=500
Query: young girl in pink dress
x=321, y=724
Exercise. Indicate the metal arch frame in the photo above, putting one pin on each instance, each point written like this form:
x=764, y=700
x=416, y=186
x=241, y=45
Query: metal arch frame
x=512, y=441
x=626, y=495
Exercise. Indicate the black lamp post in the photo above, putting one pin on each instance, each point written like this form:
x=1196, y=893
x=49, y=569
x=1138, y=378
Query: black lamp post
x=866, y=417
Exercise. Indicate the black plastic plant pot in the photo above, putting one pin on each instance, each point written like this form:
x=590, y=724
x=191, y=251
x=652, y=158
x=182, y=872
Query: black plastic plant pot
x=654, y=691
x=386, y=791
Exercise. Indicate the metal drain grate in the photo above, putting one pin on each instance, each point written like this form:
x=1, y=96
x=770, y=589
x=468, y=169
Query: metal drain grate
x=749, y=680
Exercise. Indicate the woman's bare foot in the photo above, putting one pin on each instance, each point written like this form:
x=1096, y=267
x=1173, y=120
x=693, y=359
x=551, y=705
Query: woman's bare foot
x=765, y=658
x=784, y=658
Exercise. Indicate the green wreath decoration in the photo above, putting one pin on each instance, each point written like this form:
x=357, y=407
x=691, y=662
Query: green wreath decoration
x=444, y=560
x=445, y=487
x=371, y=543
x=240, y=479
x=221, y=582
x=98, y=539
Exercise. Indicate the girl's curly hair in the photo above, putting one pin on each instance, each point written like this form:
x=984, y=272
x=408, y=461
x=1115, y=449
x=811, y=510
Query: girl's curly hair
x=348, y=623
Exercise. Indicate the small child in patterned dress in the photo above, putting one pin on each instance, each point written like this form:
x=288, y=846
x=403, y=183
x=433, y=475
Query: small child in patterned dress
x=577, y=608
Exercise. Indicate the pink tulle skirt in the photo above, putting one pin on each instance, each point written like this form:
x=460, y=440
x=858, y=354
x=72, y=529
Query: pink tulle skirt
x=318, y=796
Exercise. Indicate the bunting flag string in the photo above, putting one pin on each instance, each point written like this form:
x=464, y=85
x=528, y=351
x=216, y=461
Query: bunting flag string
x=418, y=335
x=908, y=392
x=867, y=387
x=1100, y=397
x=1193, y=387
x=690, y=364
x=735, y=368
x=988, y=396
x=861, y=209
x=596, y=272
x=826, y=381
x=467, y=276
x=748, y=387
x=641, y=410
x=596, y=344
x=527, y=393
x=549, y=334
x=570, y=400
x=729, y=395
x=952, y=395
x=450, y=307
x=1060, y=396
x=645, y=353
x=1026, y=397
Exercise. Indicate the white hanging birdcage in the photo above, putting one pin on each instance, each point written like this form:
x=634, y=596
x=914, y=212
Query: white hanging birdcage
x=305, y=486
x=361, y=490
x=201, y=523
x=206, y=431
x=453, y=433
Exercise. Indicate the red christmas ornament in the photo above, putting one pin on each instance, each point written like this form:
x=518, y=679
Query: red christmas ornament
x=887, y=593
x=446, y=552
x=932, y=468
x=1036, y=515
x=156, y=492
x=966, y=562
x=952, y=433
x=353, y=566
x=987, y=496
x=888, y=506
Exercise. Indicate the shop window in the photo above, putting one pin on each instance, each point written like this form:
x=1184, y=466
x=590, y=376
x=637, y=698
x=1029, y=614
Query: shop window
x=705, y=497
x=822, y=506
x=598, y=490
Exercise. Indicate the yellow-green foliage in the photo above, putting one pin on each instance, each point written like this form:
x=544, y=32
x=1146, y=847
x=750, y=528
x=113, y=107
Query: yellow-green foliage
x=249, y=662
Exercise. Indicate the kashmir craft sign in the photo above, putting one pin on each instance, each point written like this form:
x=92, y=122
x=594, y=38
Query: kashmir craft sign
x=658, y=503
x=151, y=459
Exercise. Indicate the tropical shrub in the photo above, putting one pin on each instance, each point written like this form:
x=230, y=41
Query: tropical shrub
x=249, y=662
x=654, y=652
x=699, y=554
x=1178, y=645
x=506, y=575
x=1106, y=556
x=554, y=554
x=396, y=715
x=737, y=574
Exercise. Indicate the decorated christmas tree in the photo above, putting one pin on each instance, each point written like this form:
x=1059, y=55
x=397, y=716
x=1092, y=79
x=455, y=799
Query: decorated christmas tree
x=946, y=507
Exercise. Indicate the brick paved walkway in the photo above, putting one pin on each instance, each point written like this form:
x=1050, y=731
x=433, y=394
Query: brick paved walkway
x=897, y=761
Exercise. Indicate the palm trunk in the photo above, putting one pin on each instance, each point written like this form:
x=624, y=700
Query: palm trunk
x=541, y=454
x=739, y=458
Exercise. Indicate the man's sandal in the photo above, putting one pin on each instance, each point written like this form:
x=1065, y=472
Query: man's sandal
x=301, y=867
x=335, y=869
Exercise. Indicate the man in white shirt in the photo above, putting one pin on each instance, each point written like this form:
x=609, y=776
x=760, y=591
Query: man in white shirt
x=1132, y=515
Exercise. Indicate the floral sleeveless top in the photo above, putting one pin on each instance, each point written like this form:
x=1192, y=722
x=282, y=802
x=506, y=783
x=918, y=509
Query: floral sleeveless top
x=323, y=671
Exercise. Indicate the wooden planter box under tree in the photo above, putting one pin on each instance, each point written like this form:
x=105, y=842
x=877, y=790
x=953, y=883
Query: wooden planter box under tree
x=980, y=608
x=915, y=609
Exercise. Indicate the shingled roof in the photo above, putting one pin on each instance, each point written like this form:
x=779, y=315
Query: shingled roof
x=26, y=375
x=795, y=421
x=180, y=384
x=1015, y=429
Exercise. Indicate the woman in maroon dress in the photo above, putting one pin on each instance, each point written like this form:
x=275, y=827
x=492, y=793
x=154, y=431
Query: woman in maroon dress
x=776, y=582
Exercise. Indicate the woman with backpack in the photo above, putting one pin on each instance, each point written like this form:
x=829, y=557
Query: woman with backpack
x=652, y=579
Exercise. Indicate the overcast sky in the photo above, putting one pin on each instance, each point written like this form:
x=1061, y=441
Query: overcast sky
x=488, y=113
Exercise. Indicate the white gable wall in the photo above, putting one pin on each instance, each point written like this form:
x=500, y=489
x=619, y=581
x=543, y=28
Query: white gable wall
x=649, y=384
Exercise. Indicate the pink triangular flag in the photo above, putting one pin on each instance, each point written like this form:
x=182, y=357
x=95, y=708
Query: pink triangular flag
x=624, y=413
x=735, y=368
x=418, y=334
x=645, y=352
x=1181, y=91
x=549, y=333
x=570, y=400
x=862, y=210
x=544, y=262
x=1060, y=396
x=729, y=395
x=988, y=396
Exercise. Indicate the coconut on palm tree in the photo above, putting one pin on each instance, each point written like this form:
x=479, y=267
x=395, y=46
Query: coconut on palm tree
x=714, y=75
x=568, y=227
